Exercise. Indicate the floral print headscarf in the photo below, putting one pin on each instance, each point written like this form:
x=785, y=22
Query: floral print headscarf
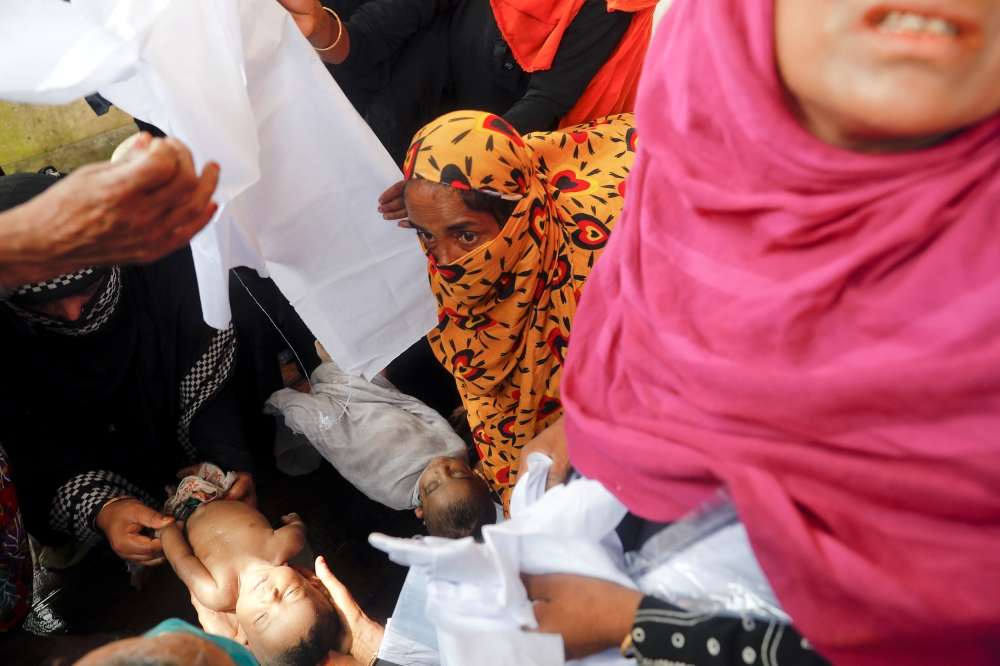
x=506, y=309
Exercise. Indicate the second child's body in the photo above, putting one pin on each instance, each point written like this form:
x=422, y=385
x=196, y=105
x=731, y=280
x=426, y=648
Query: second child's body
x=231, y=558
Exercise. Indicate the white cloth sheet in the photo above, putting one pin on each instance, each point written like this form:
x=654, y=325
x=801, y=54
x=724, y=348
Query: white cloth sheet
x=378, y=438
x=475, y=596
x=531, y=486
x=301, y=172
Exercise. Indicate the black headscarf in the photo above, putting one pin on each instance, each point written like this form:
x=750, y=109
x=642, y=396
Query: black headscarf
x=103, y=406
x=17, y=189
x=105, y=333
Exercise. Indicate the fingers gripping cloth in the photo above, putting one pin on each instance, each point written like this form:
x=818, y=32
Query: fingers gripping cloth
x=206, y=485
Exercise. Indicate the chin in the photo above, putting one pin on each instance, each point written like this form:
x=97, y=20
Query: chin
x=908, y=106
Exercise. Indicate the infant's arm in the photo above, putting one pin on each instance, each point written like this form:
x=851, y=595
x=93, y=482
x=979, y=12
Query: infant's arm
x=194, y=574
x=291, y=538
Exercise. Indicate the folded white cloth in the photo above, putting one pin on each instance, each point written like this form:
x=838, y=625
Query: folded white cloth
x=531, y=484
x=475, y=596
x=237, y=82
x=410, y=638
x=377, y=437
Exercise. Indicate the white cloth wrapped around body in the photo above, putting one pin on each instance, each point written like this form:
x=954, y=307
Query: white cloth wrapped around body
x=377, y=437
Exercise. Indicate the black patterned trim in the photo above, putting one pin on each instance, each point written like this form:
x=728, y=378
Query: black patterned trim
x=79, y=500
x=201, y=383
x=663, y=635
x=55, y=283
x=96, y=316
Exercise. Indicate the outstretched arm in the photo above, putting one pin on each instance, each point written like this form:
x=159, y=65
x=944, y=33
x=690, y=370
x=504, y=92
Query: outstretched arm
x=291, y=538
x=194, y=574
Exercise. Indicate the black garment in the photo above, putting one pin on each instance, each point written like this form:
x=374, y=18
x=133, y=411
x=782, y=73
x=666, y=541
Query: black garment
x=413, y=60
x=488, y=78
x=665, y=634
x=121, y=410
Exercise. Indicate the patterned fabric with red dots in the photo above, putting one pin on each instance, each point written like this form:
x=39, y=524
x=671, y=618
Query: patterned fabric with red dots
x=506, y=309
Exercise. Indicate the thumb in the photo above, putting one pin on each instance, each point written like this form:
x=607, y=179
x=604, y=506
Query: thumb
x=149, y=518
x=341, y=597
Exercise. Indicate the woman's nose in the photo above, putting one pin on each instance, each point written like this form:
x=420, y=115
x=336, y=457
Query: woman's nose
x=444, y=255
x=70, y=309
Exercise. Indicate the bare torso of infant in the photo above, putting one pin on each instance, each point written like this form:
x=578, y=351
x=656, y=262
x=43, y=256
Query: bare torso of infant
x=229, y=538
x=227, y=542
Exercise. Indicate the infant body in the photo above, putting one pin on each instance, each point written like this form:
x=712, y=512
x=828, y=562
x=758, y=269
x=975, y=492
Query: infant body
x=232, y=559
x=231, y=543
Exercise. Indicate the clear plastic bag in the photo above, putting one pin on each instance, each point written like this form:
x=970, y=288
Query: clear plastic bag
x=704, y=563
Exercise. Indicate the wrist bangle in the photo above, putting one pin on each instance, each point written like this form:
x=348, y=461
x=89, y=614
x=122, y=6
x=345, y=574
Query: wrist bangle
x=340, y=30
x=111, y=501
x=627, y=646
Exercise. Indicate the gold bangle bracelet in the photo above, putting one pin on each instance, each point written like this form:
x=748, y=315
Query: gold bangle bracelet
x=117, y=498
x=627, y=646
x=340, y=30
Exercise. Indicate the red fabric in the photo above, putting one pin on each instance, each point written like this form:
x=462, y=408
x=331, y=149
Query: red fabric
x=816, y=329
x=534, y=29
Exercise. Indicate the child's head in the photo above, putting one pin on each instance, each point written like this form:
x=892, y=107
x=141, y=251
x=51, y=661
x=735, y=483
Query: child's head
x=455, y=502
x=285, y=619
x=876, y=76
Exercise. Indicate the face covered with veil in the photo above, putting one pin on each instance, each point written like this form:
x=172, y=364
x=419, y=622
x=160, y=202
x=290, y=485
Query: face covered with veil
x=512, y=227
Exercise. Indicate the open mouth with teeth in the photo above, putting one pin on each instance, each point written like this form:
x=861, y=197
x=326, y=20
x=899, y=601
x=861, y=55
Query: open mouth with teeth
x=916, y=25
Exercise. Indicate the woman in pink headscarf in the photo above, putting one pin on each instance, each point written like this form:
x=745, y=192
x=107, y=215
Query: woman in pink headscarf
x=801, y=304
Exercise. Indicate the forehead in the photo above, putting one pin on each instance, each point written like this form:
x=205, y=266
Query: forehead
x=451, y=489
x=432, y=206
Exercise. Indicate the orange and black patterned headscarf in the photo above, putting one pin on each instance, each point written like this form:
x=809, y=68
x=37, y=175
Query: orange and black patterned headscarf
x=506, y=309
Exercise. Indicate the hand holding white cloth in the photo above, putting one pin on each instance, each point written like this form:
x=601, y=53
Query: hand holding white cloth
x=301, y=172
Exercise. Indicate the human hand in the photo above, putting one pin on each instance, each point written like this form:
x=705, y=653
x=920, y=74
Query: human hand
x=217, y=623
x=551, y=442
x=292, y=519
x=137, y=210
x=243, y=490
x=360, y=636
x=391, y=204
x=319, y=27
x=129, y=212
x=122, y=523
x=590, y=614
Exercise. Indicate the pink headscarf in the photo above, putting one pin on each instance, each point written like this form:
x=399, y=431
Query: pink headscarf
x=817, y=330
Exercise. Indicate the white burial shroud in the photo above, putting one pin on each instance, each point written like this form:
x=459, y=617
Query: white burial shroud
x=301, y=172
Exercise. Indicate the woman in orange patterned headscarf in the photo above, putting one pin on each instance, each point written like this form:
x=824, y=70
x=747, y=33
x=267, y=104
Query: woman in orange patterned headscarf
x=512, y=227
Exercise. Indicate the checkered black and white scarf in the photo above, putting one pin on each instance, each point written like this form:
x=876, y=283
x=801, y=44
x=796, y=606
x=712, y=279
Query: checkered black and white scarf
x=95, y=314
x=78, y=501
